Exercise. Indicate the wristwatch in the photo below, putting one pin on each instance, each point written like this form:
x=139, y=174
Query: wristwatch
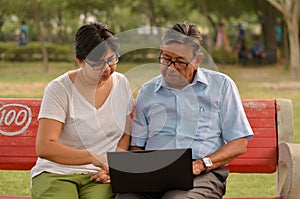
x=207, y=163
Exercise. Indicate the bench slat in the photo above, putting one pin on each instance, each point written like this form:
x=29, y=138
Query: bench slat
x=252, y=165
x=261, y=113
x=17, y=163
x=17, y=141
x=267, y=153
x=28, y=133
x=265, y=123
x=258, y=104
x=18, y=152
x=264, y=132
x=256, y=143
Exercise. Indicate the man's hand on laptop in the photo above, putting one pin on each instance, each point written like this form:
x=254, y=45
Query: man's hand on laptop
x=198, y=167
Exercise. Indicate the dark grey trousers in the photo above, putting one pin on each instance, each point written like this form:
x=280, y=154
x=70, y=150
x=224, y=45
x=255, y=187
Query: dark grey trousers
x=210, y=185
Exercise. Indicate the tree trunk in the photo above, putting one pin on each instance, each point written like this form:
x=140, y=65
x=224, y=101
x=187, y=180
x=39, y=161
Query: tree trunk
x=290, y=11
x=292, y=23
x=152, y=16
x=285, y=46
x=42, y=40
x=1, y=21
x=268, y=22
x=294, y=49
x=209, y=42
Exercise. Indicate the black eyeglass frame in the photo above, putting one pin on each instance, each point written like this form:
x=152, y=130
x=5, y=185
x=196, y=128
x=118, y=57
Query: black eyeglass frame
x=102, y=64
x=174, y=62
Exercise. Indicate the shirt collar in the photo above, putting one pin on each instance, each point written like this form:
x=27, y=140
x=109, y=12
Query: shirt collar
x=161, y=83
x=199, y=77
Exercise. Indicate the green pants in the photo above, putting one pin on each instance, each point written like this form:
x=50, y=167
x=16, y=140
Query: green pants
x=75, y=186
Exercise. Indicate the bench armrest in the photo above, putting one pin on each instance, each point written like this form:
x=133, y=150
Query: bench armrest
x=285, y=126
x=288, y=173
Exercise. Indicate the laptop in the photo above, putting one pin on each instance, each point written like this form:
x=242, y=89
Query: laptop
x=151, y=170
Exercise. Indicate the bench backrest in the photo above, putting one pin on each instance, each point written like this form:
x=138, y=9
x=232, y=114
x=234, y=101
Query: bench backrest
x=18, y=128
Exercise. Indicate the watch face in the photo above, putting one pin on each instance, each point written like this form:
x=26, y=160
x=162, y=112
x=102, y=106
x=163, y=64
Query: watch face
x=207, y=162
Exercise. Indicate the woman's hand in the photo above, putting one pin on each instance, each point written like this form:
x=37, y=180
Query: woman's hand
x=101, y=176
x=99, y=161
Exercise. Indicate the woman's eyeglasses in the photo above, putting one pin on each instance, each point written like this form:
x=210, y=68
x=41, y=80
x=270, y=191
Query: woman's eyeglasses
x=100, y=65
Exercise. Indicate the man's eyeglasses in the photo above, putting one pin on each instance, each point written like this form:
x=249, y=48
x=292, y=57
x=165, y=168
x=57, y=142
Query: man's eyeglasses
x=179, y=65
x=100, y=65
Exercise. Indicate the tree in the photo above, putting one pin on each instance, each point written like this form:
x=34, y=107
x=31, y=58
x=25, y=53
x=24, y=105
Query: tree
x=37, y=11
x=267, y=15
x=290, y=12
x=209, y=38
x=36, y=6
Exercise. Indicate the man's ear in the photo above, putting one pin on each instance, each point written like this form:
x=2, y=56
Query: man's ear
x=199, y=58
x=79, y=61
x=161, y=49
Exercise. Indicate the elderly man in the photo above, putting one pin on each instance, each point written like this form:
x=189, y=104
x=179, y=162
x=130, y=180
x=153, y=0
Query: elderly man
x=190, y=107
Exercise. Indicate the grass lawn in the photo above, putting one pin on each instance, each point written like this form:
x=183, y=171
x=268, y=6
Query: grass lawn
x=29, y=80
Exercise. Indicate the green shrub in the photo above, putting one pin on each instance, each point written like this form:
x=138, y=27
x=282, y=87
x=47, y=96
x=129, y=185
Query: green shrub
x=222, y=56
x=9, y=51
x=141, y=55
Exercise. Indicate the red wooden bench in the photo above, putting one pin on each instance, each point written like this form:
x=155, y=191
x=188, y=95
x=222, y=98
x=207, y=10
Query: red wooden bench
x=271, y=149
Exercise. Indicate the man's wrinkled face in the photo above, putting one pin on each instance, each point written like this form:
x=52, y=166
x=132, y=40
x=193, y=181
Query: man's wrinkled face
x=177, y=64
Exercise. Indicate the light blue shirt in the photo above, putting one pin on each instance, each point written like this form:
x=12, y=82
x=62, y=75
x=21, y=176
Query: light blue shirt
x=203, y=116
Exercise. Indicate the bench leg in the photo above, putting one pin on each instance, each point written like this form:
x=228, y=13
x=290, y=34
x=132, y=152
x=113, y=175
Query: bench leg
x=288, y=176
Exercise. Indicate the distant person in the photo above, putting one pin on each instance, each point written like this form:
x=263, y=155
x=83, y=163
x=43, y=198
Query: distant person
x=278, y=33
x=241, y=32
x=240, y=45
x=257, y=50
x=220, y=36
x=242, y=51
x=84, y=114
x=222, y=40
x=23, y=35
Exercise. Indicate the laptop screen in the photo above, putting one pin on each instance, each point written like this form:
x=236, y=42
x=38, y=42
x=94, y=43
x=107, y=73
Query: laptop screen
x=151, y=171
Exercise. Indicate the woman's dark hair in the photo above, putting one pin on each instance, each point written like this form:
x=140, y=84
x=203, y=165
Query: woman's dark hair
x=93, y=40
x=184, y=33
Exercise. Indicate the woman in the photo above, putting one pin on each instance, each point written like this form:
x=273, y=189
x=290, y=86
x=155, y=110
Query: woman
x=84, y=114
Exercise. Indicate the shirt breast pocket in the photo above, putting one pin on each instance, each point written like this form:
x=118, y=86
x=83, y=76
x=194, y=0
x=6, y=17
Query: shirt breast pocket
x=208, y=125
x=157, y=118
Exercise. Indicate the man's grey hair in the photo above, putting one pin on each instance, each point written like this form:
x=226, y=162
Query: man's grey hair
x=183, y=33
